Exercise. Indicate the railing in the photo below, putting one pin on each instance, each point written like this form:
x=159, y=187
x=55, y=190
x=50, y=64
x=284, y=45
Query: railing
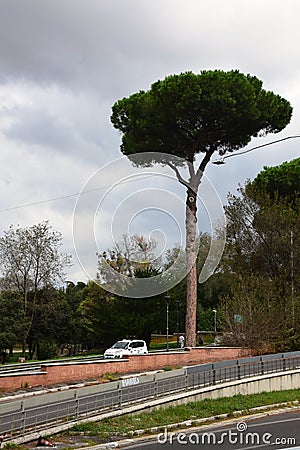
x=34, y=414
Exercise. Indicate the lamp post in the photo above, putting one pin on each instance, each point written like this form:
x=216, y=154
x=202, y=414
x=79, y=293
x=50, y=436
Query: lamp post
x=215, y=320
x=292, y=279
x=177, y=320
x=167, y=297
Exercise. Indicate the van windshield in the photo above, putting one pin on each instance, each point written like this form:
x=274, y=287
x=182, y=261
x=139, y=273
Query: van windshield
x=120, y=344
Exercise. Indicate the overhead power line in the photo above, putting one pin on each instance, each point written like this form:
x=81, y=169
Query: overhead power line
x=62, y=197
x=221, y=160
x=263, y=145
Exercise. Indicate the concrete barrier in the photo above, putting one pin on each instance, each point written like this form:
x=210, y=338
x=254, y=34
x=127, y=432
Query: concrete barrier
x=72, y=371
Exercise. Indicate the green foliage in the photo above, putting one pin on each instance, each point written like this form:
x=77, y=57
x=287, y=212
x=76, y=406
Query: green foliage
x=263, y=256
x=13, y=446
x=205, y=318
x=289, y=339
x=282, y=181
x=46, y=350
x=57, y=320
x=99, y=314
x=11, y=319
x=190, y=113
x=259, y=236
x=31, y=261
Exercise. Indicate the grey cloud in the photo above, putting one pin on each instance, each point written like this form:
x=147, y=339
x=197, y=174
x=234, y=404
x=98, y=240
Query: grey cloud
x=71, y=59
x=79, y=44
x=115, y=48
x=41, y=128
x=69, y=125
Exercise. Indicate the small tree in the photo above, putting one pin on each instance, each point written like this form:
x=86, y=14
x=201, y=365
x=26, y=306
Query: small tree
x=254, y=315
x=196, y=114
x=30, y=260
x=128, y=255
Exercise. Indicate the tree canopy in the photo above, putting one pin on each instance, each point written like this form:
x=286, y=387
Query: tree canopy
x=189, y=113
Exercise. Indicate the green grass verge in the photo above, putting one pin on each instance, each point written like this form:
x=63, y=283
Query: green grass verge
x=125, y=425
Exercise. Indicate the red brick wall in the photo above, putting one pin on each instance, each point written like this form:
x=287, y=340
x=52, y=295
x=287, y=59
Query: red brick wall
x=76, y=372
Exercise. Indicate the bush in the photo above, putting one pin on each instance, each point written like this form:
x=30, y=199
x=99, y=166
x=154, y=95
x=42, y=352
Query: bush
x=46, y=350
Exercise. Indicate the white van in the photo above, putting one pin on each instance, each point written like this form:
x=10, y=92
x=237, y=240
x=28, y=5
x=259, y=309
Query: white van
x=125, y=348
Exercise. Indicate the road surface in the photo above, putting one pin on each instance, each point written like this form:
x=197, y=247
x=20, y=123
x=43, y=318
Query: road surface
x=277, y=431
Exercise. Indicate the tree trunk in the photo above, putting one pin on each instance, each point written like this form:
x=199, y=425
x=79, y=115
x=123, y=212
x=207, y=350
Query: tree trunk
x=191, y=254
x=24, y=347
x=31, y=348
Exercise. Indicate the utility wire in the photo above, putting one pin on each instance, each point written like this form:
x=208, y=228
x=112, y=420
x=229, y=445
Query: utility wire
x=262, y=145
x=221, y=160
x=69, y=195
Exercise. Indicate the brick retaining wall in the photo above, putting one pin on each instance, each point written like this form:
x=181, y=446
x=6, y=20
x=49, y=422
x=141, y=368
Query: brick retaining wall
x=72, y=371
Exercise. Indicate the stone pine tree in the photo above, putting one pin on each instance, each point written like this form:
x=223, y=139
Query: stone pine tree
x=194, y=116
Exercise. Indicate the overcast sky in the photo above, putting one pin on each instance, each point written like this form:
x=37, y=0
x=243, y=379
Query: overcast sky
x=63, y=64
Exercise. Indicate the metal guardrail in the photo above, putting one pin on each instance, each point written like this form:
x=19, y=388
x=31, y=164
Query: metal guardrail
x=33, y=414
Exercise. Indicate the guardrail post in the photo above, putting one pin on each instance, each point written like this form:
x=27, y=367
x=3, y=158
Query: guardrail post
x=76, y=399
x=155, y=386
x=186, y=379
x=214, y=375
x=261, y=366
x=23, y=419
x=238, y=371
x=120, y=394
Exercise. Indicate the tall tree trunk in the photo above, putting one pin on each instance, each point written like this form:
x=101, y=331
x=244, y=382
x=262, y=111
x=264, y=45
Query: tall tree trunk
x=24, y=347
x=191, y=254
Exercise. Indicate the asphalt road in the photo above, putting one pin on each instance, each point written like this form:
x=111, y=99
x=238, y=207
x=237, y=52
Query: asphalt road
x=279, y=431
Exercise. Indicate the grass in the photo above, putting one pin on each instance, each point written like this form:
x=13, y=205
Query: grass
x=12, y=446
x=154, y=346
x=161, y=345
x=127, y=424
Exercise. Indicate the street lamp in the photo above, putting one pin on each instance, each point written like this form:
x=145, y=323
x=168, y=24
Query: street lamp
x=177, y=320
x=167, y=297
x=215, y=320
x=292, y=279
